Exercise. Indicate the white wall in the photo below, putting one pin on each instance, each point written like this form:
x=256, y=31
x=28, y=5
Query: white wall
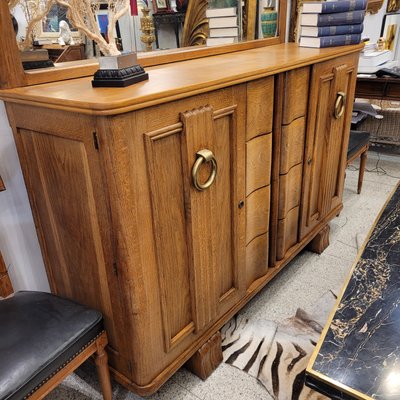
x=18, y=240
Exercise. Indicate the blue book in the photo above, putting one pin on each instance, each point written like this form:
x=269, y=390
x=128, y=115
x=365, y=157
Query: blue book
x=345, y=18
x=327, y=7
x=318, y=31
x=329, y=41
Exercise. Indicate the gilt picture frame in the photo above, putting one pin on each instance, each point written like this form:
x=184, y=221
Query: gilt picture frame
x=161, y=6
x=49, y=27
x=391, y=33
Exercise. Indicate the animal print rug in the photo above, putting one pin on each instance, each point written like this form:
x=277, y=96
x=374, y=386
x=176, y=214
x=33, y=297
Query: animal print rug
x=277, y=353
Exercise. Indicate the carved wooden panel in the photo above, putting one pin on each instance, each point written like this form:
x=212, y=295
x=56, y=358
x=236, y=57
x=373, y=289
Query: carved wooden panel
x=292, y=144
x=288, y=229
x=257, y=258
x=258, y=162
x=260, y=104
x=290, y=190
x=327, y=140
x=257, y=213
x=197, y=233
x=296, y=94
x=69, y=195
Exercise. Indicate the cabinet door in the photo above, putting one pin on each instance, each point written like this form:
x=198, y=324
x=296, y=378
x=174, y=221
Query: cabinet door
x=332, y=88
x=199, y=234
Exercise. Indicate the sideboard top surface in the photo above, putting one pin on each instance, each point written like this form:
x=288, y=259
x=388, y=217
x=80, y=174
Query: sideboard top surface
x=173, y=81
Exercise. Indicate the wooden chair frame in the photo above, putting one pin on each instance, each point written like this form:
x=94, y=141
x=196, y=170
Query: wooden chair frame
x=96, y=349
x=362, y=153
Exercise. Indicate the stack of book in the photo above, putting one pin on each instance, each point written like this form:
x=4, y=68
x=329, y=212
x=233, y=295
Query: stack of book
x=223, y=24
x=332, y=23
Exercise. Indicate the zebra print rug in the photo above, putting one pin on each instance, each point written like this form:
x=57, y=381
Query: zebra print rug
x=277, y=353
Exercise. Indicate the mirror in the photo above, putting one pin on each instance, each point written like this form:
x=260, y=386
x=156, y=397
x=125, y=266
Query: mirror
x=12, y=73
x=175, y=24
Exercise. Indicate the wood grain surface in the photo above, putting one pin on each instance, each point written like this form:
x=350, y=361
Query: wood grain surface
x=173, y=81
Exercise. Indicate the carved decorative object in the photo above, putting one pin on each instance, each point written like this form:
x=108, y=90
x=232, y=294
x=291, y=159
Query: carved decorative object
x=82, y=15
x=147, y=27
x=65, y=34
x=195, y=29
x=393, y=6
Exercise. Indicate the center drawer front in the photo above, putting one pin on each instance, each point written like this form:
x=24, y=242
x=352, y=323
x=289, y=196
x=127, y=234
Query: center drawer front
x=260, y=97
x=291, y=158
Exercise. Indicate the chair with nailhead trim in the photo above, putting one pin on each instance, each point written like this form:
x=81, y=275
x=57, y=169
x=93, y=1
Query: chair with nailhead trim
x=358, y=147
x=44, y=338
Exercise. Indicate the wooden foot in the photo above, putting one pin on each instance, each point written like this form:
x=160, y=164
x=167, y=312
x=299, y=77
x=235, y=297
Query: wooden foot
x=207, y=358
x=321, y=241
x=363, y=160
x=101, y=360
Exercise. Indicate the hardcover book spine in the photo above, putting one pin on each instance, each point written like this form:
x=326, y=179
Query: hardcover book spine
x=343, y=6
x=347, y=18
x=340, y=40
x=340, y=30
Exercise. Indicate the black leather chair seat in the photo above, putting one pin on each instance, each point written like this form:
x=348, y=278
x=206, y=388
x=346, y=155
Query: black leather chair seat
x=357, y=140
x=39, y=334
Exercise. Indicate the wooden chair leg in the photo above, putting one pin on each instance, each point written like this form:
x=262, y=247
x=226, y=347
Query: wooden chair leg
x=363, y=160
x=103, y=372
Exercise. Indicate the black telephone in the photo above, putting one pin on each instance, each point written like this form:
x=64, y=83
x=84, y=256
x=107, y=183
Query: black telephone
x=394, y=73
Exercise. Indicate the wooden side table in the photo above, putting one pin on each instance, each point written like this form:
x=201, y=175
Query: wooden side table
x=176, y=19
x=378, y=88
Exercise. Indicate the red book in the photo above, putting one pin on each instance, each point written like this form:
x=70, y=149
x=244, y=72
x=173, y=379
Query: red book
x=134, y=8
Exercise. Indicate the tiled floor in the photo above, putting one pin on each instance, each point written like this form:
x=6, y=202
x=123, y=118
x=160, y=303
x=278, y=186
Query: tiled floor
x=300, y=284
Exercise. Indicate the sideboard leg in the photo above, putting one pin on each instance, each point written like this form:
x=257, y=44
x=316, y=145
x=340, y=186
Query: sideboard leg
x=321, y=241
x=207, y=358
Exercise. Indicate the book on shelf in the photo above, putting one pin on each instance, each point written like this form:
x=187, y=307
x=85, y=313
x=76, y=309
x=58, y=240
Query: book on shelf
x=216, y=41
x=329, y=41
x=318, y=31
x=375, y=58
x=345, y=18
x=327, y=7
x=223, y=22
x=224, y=32
x=221, y=12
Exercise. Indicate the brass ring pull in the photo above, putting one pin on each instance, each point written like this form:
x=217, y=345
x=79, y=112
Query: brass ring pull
x=202, y=157
x=340, y=104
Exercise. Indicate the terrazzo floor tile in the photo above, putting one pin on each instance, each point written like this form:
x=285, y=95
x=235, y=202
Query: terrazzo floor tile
x=300, y=284
x=226, y=382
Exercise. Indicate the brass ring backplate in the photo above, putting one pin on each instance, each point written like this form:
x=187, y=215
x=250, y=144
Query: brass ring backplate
x=204, y=156
x=340, y=104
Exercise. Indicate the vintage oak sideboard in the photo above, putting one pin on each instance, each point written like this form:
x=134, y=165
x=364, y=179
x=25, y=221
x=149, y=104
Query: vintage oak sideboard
x=169, y=204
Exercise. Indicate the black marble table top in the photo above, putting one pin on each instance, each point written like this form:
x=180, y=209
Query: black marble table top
x=358, y=355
